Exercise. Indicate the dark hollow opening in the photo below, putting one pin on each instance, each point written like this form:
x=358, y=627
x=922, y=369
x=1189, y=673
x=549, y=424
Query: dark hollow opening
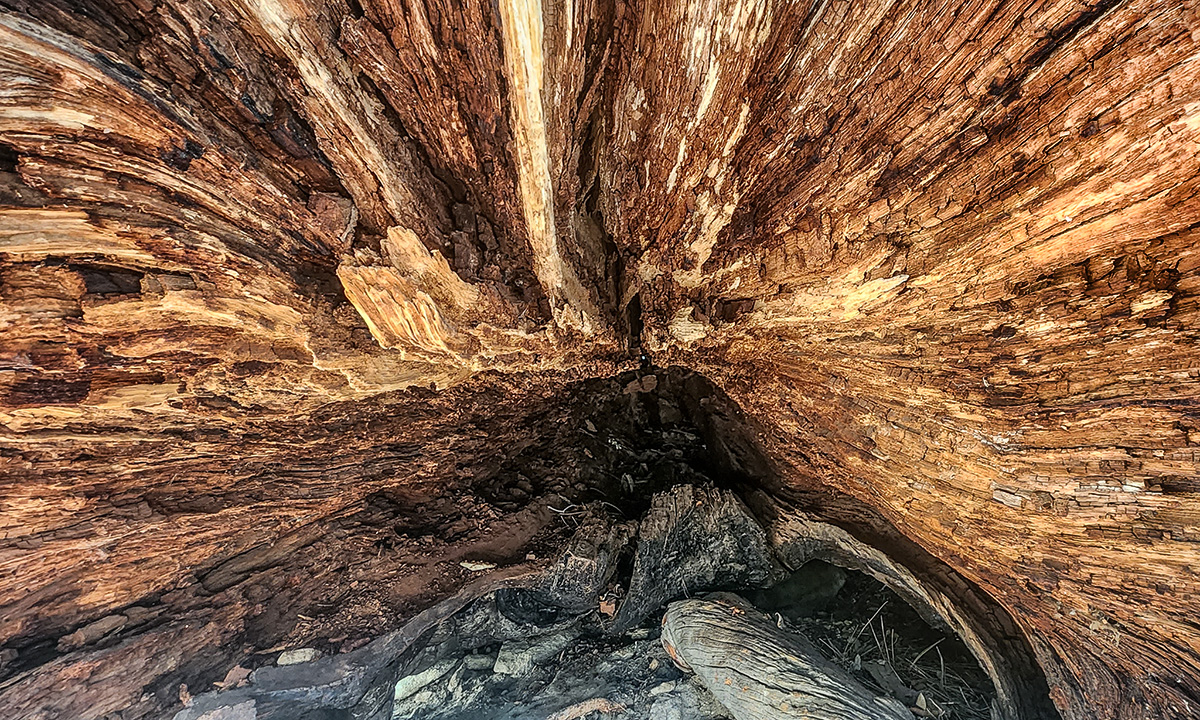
x=109, y=281
x=870, y=631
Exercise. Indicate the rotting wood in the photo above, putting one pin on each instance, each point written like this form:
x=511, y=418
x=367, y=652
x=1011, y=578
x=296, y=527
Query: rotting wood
x=759, y=672
x=944, y=256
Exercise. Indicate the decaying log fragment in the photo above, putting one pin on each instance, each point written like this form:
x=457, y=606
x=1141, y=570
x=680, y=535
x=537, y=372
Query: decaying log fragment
x=358, y=683
x=694, y=538
x=760, y=672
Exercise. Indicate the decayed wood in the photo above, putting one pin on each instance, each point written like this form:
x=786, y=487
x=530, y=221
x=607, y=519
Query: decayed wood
x=691, y=539
x=942, y=255
x=948, y=288
x=758, y=672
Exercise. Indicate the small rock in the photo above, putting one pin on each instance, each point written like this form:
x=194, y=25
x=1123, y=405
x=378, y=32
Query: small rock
x=410, y=685
x=663, y=688
x=297, y=656
x=480, y=662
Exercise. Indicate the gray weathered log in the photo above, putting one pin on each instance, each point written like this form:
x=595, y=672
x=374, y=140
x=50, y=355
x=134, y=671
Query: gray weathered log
x=759, y=672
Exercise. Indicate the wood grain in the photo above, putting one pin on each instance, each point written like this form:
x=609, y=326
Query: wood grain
x=943, y=256
x=758, y=671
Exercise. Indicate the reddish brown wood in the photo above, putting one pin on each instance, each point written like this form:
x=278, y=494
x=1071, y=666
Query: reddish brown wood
x=942, y=255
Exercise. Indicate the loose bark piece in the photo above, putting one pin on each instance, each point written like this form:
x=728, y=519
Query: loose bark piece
x=587, y=707
x=759, y=672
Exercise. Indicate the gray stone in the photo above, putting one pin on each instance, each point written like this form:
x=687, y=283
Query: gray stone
x=407, y=686
x=518, y=657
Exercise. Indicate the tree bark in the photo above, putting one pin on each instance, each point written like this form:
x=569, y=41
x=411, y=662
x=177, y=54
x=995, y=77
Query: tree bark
x=286, y=285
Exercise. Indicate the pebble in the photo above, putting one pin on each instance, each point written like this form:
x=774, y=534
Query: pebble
x=480, y=662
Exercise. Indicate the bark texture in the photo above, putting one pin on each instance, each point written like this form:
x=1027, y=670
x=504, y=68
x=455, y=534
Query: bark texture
x=301, y=293
x=759, y=672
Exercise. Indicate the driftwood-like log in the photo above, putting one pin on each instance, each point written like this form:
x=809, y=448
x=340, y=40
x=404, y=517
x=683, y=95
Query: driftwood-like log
x=759, y=672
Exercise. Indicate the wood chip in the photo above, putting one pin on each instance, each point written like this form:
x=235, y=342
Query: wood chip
x=579, y=710
x=477, y=566
x=236, y=677
x=608, y=608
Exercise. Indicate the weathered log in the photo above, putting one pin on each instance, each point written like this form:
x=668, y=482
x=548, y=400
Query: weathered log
x=760, y=672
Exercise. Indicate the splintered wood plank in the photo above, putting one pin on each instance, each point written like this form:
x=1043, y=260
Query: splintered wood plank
x=758, y=671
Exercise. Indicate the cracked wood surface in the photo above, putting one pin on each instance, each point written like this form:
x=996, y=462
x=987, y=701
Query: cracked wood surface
x=943, y=255
x=759, y=672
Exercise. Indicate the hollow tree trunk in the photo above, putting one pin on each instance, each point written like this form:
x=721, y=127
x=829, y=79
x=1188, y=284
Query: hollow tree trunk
x=288, y=284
